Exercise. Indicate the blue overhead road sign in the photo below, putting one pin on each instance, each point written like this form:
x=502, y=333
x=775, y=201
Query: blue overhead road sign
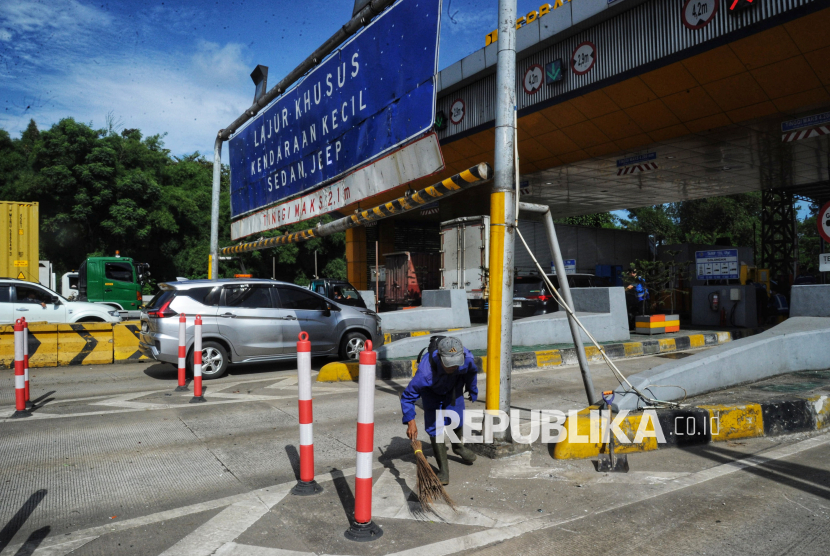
x=374, y=94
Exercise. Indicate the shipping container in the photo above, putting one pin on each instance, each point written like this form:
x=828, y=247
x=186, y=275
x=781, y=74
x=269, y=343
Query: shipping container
x=407, y=275
x=20, y=238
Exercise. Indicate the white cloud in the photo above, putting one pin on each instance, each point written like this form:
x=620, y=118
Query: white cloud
x=69, y=59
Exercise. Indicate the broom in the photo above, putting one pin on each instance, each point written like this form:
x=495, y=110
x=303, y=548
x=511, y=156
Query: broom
x=430, y=488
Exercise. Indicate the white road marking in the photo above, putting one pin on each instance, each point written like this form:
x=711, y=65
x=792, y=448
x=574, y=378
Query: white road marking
x=131, y=406
x=62, y=545
x=484, y=538
x=221, y=529
x=233, y=549
x=519, y=468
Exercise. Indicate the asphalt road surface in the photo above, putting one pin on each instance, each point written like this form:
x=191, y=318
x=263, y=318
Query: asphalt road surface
x=114, y=462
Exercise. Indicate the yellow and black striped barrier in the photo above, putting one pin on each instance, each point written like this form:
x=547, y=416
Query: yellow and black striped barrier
x=464, y=180
x=52, y=345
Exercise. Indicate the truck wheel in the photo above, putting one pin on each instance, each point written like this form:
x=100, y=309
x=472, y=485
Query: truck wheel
x=214, y=360
x=352, y=345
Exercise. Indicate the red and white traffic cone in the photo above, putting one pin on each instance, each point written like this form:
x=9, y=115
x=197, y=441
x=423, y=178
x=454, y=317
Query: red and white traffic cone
x=29, y=404
x=19, y=373
x=363, y=529
x=197, y=361
x=182, y=387
x=306, y=486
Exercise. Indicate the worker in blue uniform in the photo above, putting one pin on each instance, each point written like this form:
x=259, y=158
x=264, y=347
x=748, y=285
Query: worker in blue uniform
x=440, y=381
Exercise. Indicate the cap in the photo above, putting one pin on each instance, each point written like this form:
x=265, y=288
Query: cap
x=451, y=352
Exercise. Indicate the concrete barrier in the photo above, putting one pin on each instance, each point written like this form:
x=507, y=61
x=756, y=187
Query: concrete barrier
x=439, y=309
x=85, y=344
x=810, y=301
x=51, y=345
x=43, y=345
x=711, y=423
x=608, y=324
x=797, y=344
x=125, y=342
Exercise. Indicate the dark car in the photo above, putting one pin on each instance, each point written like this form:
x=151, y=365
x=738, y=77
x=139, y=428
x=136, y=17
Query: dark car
x=531, y=296
x=338, y=290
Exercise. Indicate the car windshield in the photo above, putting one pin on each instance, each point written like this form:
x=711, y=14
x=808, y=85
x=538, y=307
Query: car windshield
x=345, y=291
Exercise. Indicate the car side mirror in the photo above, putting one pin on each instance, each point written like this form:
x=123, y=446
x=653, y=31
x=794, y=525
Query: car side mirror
x=56, y=300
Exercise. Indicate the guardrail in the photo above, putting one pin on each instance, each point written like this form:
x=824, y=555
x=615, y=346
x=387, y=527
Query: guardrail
x=53, y=345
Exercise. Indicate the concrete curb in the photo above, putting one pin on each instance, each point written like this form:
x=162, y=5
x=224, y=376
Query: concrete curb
x=700, y=425
x=387, y=369
x=390, y=337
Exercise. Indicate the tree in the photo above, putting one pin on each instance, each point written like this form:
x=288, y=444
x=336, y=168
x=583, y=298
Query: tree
x=101, y=191
x=598, y=220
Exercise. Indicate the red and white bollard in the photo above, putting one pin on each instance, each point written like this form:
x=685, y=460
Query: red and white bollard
x=19, y=373
x=197, y=361
x=363, y=529
x=306, y=486
x=182, y=387
x=26, y=361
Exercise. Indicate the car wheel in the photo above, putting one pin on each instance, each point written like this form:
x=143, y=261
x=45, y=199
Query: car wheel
x=214, y=360
x=351, y=345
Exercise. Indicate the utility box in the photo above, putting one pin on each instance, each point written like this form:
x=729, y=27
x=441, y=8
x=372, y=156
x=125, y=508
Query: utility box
x=735, y=306
x=20, y=238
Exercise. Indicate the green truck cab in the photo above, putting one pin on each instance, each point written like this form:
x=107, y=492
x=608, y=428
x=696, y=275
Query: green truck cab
x=114, y=281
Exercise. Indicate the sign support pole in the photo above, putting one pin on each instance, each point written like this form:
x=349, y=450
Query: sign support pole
x=213, y=271
x=502, y=234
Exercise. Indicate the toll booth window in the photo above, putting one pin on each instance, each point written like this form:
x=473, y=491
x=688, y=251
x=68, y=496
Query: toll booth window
x=5, y=294
x=297, y=299
x=120, y=272
x=247, y=296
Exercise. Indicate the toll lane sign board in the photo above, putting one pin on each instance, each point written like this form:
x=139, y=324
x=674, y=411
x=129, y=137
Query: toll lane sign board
x=823, y=222
x=374, y=94
x=570, y=266
x=721, y=264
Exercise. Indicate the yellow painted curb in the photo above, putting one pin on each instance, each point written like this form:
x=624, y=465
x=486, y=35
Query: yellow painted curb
x=730, y=422
x=697, y=340
x=578, y=442
x=821, y=405
x=339, y=372
x=667, y=345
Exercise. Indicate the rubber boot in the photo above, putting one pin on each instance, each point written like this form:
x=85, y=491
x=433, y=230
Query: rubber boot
x=439, y=449
x=462, y=451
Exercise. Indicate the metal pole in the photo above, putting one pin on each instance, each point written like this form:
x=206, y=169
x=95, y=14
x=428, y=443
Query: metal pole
x=377, y=276
x=566, y=294
x=502, y=220
x=214, y=209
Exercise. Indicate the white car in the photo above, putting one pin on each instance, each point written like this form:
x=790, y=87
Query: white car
x=40, y=304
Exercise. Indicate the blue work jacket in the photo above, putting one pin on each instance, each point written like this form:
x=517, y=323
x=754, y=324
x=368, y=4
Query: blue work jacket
x=439, y=390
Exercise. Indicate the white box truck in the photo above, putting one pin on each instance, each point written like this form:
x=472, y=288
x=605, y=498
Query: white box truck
x=465, y=252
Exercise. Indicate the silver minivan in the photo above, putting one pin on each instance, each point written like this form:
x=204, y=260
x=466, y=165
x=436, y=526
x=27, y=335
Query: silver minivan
x=251, y=320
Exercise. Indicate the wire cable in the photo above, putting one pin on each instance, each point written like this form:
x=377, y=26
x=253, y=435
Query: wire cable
x=620, y=376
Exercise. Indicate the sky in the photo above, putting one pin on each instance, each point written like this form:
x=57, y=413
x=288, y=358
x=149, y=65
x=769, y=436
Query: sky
x=177, y=67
